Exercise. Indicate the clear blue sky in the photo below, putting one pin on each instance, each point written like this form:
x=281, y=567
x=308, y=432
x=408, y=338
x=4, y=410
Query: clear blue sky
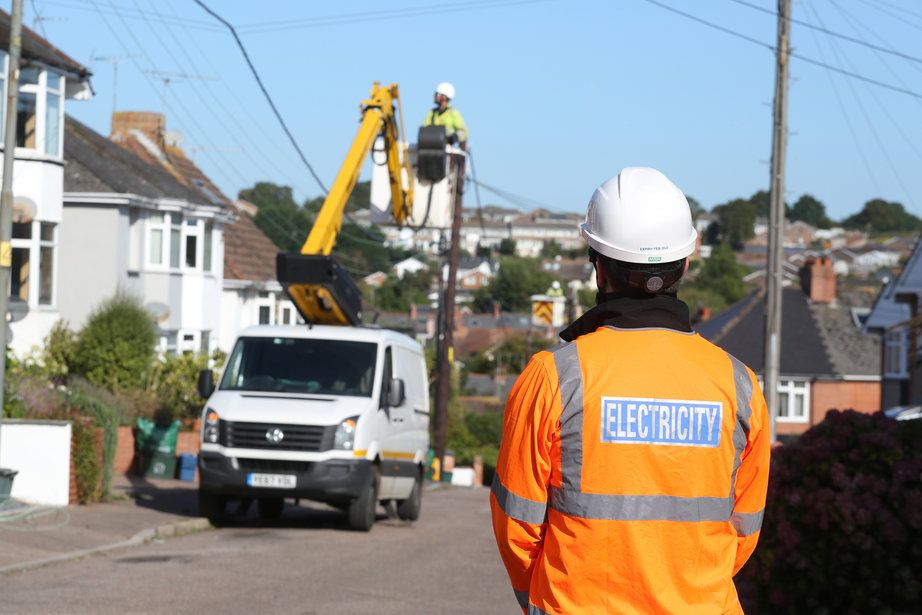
x=559, y=95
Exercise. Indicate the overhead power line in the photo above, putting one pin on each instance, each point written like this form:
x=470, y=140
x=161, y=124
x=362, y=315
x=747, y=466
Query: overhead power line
x=803, y=58
x=825, y=30
x=265, y=92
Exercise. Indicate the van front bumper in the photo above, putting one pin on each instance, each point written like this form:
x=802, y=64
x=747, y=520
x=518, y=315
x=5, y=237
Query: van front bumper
x=333, y=481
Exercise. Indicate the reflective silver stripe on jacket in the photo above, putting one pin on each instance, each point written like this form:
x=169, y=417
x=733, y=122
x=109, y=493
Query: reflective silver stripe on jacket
x=521, y=598
x=516, y=506
x=747, y=524
x=639, y=507
x=570, y=376
x=744, y=523
x=533, y=610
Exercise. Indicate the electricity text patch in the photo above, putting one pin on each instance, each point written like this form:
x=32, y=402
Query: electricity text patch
x=628, y=420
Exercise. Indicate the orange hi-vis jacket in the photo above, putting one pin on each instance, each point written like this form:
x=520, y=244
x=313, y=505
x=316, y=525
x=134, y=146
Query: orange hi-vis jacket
x=633, y=468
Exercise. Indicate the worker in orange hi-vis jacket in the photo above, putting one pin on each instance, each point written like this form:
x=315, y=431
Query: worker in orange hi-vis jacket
x=634, y=460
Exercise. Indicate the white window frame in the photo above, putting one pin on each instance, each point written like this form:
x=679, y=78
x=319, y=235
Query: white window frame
x=37, y=248
x=158, y=221
x=896, y=346
x=4, y=59
x=39, y=90
x=790, y=388
x=188, y=341
x=266, y=301
x=29, y=245
x=43, y=80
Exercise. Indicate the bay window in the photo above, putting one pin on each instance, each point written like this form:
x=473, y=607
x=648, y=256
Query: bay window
x=33, y=242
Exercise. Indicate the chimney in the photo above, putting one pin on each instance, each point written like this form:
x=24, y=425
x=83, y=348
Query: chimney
x=151, y=125
x=818, y=280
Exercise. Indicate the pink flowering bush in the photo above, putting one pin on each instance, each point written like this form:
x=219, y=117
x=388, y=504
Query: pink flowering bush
x=843, y=525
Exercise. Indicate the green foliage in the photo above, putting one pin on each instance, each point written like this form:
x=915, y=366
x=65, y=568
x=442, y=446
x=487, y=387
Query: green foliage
x=550, y=249
x=506, y=247
x=116, y=347
x=736, y=220
x=695, y=207
x=279, y=216
x=810, y=210
x=87, y=470
x=174, y=381
x=103, y=408
x=882, y=216
x=843, y=522
x=511, y=356
x=721, y=275
x=513, y=285
x=396, y=295
x=59, y=354
x=698, y=298
x=586, y=296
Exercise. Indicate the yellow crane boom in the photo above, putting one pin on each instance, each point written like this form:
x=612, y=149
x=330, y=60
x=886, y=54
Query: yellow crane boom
x=318, y=286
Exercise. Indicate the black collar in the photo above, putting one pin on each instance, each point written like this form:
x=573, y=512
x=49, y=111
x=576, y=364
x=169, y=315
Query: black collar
x=631, y=310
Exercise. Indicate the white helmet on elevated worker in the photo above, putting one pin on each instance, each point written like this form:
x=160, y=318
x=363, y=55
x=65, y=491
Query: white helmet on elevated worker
x=640, y=216
x=445, y=89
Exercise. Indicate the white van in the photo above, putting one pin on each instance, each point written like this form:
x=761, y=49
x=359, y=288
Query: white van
x=334, y=414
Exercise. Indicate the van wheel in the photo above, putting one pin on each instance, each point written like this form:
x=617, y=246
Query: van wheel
x=363, y=508
x=271, y=508
x=212, y=507
x=408, y=509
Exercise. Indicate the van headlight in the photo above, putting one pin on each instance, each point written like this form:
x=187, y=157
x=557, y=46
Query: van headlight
x=345, y=434
x=211, y=430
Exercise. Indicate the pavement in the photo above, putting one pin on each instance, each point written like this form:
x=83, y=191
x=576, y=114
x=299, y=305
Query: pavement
x=141, y=510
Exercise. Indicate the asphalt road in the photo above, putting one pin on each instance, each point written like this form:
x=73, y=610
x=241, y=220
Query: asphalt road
x=306, y=563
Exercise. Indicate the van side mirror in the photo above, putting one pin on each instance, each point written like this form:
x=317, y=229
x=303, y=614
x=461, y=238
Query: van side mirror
x=396, y=393
x=205, y=383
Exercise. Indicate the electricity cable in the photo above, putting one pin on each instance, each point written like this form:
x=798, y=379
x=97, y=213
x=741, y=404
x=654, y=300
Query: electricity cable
x=265, y=92
x=801, y=57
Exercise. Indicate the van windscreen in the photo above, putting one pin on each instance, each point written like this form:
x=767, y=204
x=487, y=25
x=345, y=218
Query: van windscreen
x=293, y=365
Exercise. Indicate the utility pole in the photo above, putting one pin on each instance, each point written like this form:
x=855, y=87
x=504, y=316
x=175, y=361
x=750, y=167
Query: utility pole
x=776, y=218
x=445, y=351
x=6, y=189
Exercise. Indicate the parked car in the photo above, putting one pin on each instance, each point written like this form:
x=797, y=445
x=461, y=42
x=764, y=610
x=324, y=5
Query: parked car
x=333, y=414
x=904, y=413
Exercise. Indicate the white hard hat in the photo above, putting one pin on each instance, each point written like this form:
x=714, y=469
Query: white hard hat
x=446, y=89
x=640, y=216
x=555, y=284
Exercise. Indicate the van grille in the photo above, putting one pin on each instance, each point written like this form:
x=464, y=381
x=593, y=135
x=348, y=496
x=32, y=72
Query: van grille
x=273, y=466
x=305, y=438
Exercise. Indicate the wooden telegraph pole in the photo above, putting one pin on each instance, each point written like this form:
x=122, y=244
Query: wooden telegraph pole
x=776, y=217
x=6, y=188
x=445, y=349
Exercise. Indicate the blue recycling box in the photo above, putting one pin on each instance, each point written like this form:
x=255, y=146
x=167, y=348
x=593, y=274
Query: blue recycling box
x=187, y=463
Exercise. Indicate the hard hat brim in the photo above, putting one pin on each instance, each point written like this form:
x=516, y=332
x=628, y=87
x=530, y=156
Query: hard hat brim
x=629, y=256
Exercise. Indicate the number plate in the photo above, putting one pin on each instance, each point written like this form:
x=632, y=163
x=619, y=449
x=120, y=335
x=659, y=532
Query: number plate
x=278, y=481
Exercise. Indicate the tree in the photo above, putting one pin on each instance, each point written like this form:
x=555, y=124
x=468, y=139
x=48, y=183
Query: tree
x=761, y=200
x=695, y=207
x=279, y=216
x=506, y=247
x=810, y=210
x=722, y=275
x=396, y=295
x=736, y=220
x=515, y=282
x=883, y=216
x=115, y=349
x=550, y=249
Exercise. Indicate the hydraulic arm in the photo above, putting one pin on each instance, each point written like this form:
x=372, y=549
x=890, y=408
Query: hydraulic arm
x=320, y=288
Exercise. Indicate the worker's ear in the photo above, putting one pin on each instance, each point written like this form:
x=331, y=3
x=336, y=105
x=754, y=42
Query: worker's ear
x=601, y=279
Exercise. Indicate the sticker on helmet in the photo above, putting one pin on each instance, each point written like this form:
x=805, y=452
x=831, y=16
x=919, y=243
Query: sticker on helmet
x=654, y=259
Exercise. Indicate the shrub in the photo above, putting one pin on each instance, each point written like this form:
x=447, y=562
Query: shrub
x=59, y=355
x=843, y=525
x=87, y=470
x=116, y=347
x=103, y=408
x=174, y=380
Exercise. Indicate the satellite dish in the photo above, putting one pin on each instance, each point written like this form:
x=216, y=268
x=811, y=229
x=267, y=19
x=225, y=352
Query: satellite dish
x=24, y=209
x=158, y=311
x=17, y=310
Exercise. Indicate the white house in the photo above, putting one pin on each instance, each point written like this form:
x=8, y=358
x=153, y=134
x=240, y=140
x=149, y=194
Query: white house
x=408, y=265
x=48, y=77
x=131, y=226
